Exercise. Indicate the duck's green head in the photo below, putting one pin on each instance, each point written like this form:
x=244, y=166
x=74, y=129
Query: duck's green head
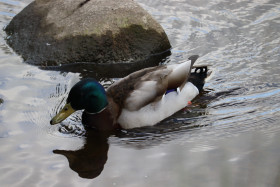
x=87, y=94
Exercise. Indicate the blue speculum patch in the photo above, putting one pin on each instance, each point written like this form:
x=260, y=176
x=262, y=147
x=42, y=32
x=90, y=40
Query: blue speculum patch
x=171, y=90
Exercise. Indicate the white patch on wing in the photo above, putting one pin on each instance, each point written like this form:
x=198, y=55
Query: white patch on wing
x=146, y=92
x=155, y=112
x=180, y=69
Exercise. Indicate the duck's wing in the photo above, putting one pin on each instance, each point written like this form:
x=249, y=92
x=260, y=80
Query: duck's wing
x=180, y=73
x=148, y=85
x=139, y=88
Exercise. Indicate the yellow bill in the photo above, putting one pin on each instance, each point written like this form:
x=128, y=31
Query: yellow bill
x=66, y=111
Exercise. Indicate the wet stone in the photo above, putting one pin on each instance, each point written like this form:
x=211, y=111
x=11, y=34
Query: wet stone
x=54, y=32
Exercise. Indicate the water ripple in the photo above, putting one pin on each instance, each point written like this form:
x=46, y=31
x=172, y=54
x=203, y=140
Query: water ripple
x=233, y=124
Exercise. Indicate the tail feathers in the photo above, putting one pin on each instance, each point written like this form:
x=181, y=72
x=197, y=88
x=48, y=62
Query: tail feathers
x=193, y=58
x=198, y=76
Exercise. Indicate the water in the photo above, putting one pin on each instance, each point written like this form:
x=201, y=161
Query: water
x=229, y=137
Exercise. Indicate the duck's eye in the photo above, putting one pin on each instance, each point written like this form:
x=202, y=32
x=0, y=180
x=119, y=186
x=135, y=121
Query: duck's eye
x=66, y=108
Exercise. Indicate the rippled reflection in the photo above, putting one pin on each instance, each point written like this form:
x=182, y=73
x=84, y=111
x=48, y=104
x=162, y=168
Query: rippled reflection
x=88, y=161
x=228, y=137
x=103, y=72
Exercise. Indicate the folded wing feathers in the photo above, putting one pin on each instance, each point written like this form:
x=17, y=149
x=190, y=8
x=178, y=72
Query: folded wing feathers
x=148, y=89
x=153, y=85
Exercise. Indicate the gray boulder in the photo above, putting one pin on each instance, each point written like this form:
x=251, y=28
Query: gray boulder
x=53, y=32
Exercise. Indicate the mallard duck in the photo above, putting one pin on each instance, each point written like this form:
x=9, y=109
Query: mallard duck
x=142, y=98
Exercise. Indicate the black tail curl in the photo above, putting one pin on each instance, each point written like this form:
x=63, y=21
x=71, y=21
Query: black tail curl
x=198, y=76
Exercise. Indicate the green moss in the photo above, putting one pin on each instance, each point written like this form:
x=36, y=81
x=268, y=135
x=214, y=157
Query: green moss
x=123, y=22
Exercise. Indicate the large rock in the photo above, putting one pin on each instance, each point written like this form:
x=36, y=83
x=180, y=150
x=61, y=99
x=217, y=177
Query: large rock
x=52, y=32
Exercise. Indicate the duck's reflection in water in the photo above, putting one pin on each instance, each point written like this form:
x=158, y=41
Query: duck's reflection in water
x=89, y=161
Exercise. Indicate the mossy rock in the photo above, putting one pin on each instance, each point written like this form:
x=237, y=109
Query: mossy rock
x=53, y=32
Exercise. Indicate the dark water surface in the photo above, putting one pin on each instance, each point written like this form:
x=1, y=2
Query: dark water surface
x=229, y=137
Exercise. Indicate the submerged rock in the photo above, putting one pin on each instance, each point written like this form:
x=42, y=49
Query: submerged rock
x=53, y=32
x=103, y=71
